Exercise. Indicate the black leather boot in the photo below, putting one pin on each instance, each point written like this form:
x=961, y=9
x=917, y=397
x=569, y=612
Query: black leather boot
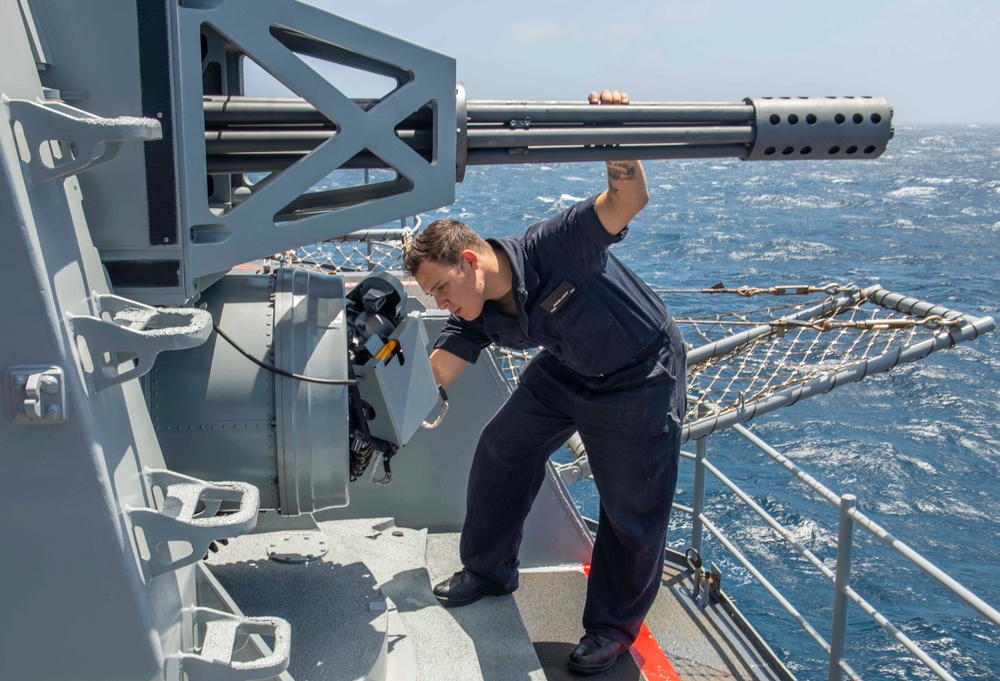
x=463, y=588
x=595, y=654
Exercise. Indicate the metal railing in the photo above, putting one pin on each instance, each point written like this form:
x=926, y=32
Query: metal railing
x=840, y=576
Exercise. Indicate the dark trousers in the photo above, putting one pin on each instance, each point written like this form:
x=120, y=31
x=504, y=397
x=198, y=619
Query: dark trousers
x=629, y=422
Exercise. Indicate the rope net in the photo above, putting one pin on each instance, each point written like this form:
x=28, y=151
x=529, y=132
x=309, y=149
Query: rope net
x=366, y=251
x=795, y=350
x=743, y=364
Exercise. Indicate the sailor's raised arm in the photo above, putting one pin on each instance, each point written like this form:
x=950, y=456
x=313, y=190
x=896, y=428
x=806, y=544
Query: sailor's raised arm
x=627, y=193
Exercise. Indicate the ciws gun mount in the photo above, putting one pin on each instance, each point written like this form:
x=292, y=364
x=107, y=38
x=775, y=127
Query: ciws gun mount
x=245, y=135
x=221, y=179
x=238, y=177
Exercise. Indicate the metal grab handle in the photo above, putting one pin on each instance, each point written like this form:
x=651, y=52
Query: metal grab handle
x=51, y=124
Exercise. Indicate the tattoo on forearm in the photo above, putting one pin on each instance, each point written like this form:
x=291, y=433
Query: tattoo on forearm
x=621, y=171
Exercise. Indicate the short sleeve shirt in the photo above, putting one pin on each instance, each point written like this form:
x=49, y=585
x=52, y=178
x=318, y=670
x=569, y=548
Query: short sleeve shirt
x=573, y=297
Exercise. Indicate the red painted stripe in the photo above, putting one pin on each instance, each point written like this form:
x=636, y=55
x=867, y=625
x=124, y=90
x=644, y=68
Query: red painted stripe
x=648, y=654
x=651, y=659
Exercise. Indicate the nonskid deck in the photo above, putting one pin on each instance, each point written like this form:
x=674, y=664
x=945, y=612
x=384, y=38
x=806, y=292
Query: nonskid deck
x=336, y=605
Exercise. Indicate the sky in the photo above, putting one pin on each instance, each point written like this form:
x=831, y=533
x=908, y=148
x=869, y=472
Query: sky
x=935, y=61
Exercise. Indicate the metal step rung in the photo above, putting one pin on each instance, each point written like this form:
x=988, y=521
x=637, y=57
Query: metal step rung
x=60, y=140
x=123, y=337
x=225, y=634
x=189, y=514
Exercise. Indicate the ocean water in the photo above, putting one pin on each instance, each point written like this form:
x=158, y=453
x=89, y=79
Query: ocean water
x=919, y=446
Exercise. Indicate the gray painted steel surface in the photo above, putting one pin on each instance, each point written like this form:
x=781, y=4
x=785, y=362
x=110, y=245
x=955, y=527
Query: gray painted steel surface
x=68, y=487
x=214, y=411
x=214, y=241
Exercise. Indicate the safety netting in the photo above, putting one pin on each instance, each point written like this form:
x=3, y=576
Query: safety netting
x=798, y=342
x=364, y=251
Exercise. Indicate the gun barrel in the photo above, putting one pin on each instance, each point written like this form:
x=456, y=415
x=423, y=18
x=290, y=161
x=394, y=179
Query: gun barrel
x=223, y=112
x=640, y=113
x=300, y=141
x=246, y=134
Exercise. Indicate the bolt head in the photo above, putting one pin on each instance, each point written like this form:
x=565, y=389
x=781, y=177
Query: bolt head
x=49, y=384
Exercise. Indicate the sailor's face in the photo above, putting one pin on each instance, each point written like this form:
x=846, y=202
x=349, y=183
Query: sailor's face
x=455, y=288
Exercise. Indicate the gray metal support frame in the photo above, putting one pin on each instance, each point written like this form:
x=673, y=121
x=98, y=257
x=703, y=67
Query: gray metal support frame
x=267, y=31
x=71, y=560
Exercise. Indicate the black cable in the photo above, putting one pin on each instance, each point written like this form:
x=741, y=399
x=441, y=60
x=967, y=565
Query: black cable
x=282, y=372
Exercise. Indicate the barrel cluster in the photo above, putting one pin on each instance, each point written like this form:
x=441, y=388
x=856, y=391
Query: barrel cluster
x=245, y=134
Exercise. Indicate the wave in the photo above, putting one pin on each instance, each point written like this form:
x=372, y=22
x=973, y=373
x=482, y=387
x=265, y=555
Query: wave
x=792, y=202
x=562, y=203
x=907, y=192
x=783, y=250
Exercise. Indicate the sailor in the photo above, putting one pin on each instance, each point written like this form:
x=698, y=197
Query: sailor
x=612, y=368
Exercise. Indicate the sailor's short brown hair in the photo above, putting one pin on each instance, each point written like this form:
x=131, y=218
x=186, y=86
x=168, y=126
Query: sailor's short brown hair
x=442, y=242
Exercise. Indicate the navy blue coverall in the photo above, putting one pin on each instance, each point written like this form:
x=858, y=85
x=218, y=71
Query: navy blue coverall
x=613, y=369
